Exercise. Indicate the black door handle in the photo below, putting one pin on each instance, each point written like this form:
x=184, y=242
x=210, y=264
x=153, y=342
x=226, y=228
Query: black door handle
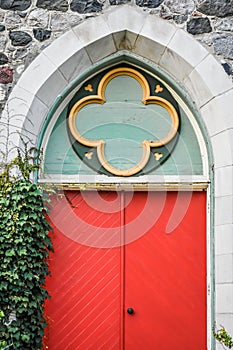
x=130, y=311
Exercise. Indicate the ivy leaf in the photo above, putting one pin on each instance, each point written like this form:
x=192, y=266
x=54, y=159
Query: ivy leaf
x=11, y=252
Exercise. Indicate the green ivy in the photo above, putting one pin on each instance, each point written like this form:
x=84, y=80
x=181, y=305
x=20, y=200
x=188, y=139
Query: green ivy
x=223, y=337
x=24, y=249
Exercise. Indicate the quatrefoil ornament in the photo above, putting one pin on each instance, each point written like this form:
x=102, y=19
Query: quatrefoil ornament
x=100, y=99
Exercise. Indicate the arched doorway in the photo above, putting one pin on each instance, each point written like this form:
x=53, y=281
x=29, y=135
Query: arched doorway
x=130, y=261
x=129, y=32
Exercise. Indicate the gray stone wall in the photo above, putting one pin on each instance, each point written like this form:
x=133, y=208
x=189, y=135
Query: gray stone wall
x=28, y=26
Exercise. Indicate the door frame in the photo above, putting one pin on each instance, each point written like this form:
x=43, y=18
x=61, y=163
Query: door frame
x=148, y=182
x=170, y=186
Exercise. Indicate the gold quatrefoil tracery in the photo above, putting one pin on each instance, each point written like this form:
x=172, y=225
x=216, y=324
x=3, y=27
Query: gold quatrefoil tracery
x=100, y=99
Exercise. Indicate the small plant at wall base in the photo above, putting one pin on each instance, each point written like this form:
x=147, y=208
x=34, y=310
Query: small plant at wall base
x=223, y=337
x=24, y=249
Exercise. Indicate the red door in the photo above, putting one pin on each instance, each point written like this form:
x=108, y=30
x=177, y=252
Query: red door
x=119, y=281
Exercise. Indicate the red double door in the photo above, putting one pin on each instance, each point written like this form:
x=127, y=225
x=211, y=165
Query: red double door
x=128, y=272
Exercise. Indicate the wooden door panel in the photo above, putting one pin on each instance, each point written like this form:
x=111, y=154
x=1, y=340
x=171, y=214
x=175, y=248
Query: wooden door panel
x=85, y=282
x=162, y=276
x=165, y=278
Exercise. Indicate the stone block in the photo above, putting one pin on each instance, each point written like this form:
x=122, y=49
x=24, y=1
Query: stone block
x=149, y=3
x=38, y=18
x=182, y=7
x=158, y=30
x=75, y=65
x=86, y=6
x=224, y=240
x=219, y=8
x=20, y=38
x=125, y=18
x=223, y=268
x=6, y=75
x=101, y=48
x=224, y=24
x=182, y=55
x=27, y=112
x=92, y=30
x=197, y=89
x=12, y=20
x=53, y=5
x=224, y=298
x=207, y=81
x=221, y=144
x=15, y=5
x=223, y=44
x=224, y=181
x=217, y=113
x=199, y=25
x=51, y=88
x=118, y=2
x=125, y=40
x=3, y=58
x=2, y=42
x=41, y=69
x=227, y=67
x=62, y=22
x=41, y=34
x=224, y=210
x=149, y=49
x=56, y=53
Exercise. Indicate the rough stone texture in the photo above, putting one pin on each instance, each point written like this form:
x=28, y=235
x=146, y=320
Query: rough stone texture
x=3, y=58
x=54, y=5
x=199, y=25
x=62, y=21
x=48, y=19
x=225, y=24
x=3, y=94
x=41, y=34
x=12, y=20
x=118, y=2
x=85, y=6
x=227, y=67
x=6, y=75
x=2, y=15
x=22, y=14
x=149, y=3
x=179, y=19
x=59, y=22
x=19, y=53
x=2, y=42
x=219, y=8
x=165, y=13
x=180, y=6
x=20, y=38
x=14, y=5
x=223, y=45
x=38, y=18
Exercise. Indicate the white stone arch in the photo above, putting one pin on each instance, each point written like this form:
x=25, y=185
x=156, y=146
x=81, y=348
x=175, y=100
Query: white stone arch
x=180, y=56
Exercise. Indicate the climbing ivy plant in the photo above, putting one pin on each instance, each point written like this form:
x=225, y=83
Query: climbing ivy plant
x=223, y=337
x=24, y=249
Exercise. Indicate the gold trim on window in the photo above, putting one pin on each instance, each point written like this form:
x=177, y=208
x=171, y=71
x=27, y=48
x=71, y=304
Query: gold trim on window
x=100, y=99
